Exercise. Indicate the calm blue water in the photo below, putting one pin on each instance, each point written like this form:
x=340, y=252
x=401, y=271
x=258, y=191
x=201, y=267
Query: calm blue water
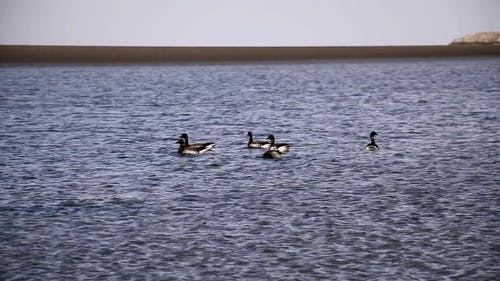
x=92, y=187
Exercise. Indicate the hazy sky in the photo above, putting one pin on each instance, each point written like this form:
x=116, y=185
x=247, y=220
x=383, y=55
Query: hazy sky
x=244, y=22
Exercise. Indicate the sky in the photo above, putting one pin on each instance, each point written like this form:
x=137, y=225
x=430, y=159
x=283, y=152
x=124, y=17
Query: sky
x=243, y=22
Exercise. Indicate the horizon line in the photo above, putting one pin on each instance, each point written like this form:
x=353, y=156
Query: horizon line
x=160, y=54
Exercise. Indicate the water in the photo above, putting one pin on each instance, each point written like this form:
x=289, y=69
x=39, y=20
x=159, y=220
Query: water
x=92, y=187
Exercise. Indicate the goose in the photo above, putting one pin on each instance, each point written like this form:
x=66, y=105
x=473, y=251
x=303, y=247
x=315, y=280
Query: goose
x=197, y=145
x=372, y=146
x=272, y=153
x=256, y=144
x=199, y=148
x=281, y=147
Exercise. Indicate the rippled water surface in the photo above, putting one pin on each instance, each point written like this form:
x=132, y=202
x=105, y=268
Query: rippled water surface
x=92, y=186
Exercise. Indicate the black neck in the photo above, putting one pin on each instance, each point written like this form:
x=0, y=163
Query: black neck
x=181, y=147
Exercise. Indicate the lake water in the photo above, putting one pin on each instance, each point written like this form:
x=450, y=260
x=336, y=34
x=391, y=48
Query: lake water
x=92, y=187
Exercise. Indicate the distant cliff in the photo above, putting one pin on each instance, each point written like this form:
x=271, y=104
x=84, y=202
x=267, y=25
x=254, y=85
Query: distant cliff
x=492, y=38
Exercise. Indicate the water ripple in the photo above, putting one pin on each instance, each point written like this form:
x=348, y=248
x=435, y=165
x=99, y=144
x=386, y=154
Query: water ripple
x=93, y=188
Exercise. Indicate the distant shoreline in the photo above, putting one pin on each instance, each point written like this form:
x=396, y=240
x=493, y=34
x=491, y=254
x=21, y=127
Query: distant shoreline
x=20, y=54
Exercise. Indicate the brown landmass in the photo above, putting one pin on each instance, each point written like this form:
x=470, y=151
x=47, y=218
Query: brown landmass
x=479, y=38
x=96, y=54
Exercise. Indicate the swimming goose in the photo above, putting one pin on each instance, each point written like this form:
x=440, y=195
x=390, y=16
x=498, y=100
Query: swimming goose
x=272, y=153
x=281, y=147
x=256, y=144
x=372, y=146
x=198, y=148
x=198, y=145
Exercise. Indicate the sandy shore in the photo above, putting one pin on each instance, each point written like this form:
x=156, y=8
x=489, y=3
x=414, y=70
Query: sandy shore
x=91, y=54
